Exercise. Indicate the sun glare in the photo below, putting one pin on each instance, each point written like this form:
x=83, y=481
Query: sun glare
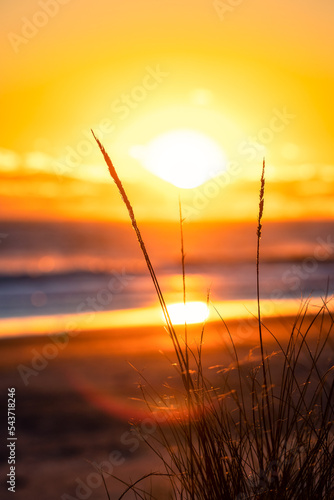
x=191, y=312
x=185, y=158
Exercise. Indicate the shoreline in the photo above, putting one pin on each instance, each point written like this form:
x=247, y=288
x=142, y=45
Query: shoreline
x=232, y=310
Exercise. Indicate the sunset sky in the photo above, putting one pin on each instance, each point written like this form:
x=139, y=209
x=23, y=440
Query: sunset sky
x=254, y=77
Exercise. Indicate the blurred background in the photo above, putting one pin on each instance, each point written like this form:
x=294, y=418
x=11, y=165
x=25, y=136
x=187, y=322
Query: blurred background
x=187, y=98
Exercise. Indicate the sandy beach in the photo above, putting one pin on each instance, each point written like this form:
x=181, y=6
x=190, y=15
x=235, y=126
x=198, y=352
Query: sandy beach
x=76, y=408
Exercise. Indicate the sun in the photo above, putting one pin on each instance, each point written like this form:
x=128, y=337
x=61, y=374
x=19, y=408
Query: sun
x=186, y=158
x=190, y=313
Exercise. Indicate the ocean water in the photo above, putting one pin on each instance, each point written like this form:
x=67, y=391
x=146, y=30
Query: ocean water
x=71, y=268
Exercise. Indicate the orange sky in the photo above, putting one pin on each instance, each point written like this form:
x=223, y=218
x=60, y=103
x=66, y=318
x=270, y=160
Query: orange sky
x=257, y=78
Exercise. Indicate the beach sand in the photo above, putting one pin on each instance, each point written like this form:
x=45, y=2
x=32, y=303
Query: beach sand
x=75, y=407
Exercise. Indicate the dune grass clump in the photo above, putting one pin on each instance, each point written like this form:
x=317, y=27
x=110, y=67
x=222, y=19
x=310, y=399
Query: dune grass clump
x=266, y=432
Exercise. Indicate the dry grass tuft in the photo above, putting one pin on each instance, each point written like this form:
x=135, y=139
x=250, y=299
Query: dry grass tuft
x=259, y=436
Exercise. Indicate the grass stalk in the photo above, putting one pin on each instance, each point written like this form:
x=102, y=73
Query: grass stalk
x=247, y=439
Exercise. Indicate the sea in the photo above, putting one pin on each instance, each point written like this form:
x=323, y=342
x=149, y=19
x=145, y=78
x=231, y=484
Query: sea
x=70, y=268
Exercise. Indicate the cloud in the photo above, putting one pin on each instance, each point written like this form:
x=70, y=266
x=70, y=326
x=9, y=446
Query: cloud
x=9, y=160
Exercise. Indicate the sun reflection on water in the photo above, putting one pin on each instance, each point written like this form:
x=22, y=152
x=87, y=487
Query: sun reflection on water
x=190, y=313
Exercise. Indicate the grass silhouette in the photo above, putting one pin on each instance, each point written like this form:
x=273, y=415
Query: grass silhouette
x=267, y=431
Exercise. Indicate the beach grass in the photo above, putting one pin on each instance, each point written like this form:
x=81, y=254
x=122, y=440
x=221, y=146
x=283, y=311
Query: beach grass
x=266, y=430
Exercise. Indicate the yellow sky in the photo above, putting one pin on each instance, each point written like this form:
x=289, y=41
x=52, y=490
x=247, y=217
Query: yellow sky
x=256, y=76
